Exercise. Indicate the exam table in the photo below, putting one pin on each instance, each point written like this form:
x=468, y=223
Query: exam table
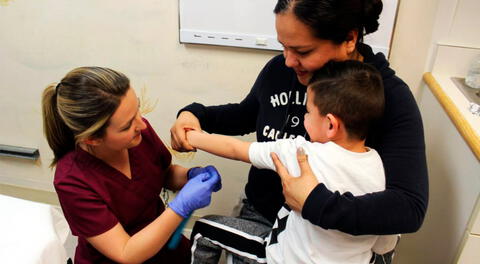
x=31, y=232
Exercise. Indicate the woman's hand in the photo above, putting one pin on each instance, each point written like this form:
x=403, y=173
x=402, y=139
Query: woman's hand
x=296, y=189
x=185, y=121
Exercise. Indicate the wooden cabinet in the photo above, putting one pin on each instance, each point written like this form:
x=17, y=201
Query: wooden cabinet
x=450, y=233
x=476, y=222
x=471, y=250
x=454, y=189
x=457, y=23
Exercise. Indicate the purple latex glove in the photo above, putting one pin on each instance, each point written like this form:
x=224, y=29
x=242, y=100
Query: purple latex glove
x=196, y=193
x=193, y=172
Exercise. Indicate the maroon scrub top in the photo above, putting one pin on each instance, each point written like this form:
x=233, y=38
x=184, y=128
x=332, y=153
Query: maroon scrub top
x=95, y=197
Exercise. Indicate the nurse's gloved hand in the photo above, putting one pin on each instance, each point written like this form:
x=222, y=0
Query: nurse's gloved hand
x=195, y=171
x=197, y=193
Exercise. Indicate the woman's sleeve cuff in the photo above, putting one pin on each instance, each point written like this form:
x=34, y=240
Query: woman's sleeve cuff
x=315, y=203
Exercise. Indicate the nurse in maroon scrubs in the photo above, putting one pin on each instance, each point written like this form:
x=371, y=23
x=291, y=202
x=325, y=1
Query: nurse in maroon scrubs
x=110, y=169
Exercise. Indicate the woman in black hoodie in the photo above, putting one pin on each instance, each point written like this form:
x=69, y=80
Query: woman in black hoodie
x=312, y=33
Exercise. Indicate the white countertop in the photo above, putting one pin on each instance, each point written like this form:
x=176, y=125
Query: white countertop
x=451, y=62
x=459, y=99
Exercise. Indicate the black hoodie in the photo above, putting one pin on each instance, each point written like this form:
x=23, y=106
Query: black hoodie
x=274, y=109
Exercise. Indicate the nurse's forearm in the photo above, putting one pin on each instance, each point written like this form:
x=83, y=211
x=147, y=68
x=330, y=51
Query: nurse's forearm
x=117, y=245
x=176, y=177
x=148, y=241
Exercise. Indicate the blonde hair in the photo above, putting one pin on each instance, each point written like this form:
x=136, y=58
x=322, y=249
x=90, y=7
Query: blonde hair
x=80, y=107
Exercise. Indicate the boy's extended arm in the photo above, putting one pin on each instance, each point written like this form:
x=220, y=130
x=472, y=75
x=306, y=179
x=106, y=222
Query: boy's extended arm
x=223, y=146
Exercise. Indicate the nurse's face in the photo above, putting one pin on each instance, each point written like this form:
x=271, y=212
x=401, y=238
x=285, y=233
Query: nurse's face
x=304, y=52
x=125, y=125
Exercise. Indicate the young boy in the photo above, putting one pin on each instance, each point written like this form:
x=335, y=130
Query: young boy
x=343, y=99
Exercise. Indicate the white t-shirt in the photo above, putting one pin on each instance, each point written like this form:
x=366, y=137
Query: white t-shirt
x=294, y=239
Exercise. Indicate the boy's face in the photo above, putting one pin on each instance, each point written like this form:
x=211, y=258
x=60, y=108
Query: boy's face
x=316, y=124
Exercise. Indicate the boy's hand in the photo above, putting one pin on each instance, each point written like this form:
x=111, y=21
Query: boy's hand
x=296, y=189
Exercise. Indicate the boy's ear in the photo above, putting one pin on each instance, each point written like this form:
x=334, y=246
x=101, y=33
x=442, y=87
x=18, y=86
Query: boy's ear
x=334, y=128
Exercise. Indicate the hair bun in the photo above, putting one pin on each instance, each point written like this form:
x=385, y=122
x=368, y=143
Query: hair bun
x=371, y=14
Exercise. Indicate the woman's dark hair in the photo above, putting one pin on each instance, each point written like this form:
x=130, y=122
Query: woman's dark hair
x=80, y=107
x=352, y=91
x=334, y=19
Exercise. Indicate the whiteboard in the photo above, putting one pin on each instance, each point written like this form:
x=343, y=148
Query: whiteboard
x=251, y=24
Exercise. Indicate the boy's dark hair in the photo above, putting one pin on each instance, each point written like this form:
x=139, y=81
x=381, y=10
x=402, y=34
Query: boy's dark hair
x=352, y=91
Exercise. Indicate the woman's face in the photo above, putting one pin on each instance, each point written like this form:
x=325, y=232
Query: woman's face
x=125, y=125
x=303, y=52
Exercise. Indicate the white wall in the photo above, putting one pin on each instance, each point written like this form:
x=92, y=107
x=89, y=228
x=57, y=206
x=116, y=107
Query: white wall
x=423, y=24
x=42, y=40
x=412, y=40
